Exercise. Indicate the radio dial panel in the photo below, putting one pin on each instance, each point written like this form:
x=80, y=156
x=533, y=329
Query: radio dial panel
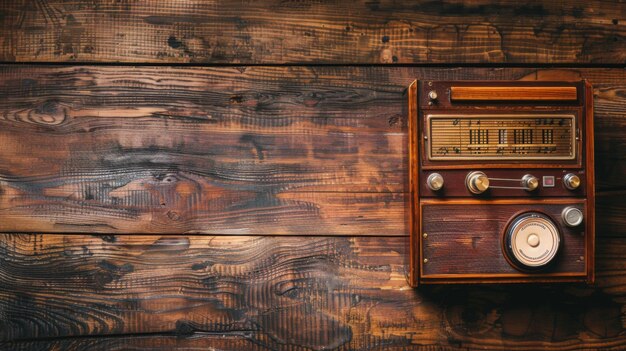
x=509, y=137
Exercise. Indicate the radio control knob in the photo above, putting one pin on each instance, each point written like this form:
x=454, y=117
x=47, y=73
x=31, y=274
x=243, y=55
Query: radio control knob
x=572, y=216
x=432, y=95
x=530, y=182
x=533, y=240
x=571, y=181
x=435, y=181
x=477, y=182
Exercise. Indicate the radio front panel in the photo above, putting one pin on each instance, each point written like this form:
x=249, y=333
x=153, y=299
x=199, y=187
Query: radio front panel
x=483, y=251
x=501, y=179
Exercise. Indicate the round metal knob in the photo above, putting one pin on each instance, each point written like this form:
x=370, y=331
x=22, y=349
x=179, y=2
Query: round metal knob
x=477, y=182
x=530, y=182
x=572, y=216
x=571, y=181
x=533, y=240
x=432, y=95
x=434, y=181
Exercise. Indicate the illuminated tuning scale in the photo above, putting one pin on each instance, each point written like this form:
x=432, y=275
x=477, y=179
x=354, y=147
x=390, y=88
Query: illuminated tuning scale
x=501, y=137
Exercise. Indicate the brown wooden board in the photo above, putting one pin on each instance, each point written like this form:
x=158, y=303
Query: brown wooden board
x=282, y=293
x=270, y=139
x=313, y=32
x=235, y=150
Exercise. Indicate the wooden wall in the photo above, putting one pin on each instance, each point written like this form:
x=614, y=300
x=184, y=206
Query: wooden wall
x=194, y=175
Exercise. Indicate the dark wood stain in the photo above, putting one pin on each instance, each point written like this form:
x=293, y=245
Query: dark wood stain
x=449, y=243
x=264, y=293
x=166, y=150
x=312, y=32
x=147, y=150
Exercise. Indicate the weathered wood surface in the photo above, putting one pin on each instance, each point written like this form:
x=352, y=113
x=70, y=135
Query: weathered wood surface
x=282, y=293
x=313, y=32
x=449, y=241
x=235, y=150
x=257, y=150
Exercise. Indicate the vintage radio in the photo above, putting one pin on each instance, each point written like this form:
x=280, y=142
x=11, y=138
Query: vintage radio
x=501, y=181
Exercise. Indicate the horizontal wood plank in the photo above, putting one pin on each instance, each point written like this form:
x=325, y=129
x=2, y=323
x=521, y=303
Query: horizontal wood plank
x=235, y=150
x=228, y=342
x=313, y=32
x=282, y=293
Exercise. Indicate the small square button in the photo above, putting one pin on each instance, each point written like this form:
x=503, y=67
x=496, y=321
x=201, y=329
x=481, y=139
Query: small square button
x=548, y=181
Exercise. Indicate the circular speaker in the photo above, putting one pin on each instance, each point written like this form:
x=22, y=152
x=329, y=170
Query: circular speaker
x=531, y=241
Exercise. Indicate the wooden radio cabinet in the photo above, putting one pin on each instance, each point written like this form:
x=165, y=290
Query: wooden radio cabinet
x=501, y=181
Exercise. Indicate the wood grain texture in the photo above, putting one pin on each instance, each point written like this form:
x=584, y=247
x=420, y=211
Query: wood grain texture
x=235, y=150
x=469, y=236
x=485, y=93
x=282, y=293
x=313, y=32
x=199, y=150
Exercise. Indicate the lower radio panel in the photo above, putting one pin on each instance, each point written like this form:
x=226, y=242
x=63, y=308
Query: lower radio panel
x=473, y=241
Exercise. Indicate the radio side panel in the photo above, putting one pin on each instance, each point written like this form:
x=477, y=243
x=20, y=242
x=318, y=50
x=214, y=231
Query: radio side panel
x=413, y=184
x=590, y=183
